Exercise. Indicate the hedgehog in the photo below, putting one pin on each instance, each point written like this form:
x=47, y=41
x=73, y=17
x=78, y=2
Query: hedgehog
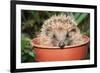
x=60, y=31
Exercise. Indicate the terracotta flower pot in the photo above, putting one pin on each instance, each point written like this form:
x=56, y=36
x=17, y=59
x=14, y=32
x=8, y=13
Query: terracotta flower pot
x=75, y=52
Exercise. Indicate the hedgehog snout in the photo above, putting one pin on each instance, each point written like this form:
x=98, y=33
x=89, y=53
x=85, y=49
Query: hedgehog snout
x=61, y=44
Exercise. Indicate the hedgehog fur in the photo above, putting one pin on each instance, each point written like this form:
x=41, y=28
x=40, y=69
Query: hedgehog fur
x=60, y=29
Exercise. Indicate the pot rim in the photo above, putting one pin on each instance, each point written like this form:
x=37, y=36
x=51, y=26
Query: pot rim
x=66, y=47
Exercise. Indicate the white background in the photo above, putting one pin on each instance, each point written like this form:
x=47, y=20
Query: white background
x=5, y=36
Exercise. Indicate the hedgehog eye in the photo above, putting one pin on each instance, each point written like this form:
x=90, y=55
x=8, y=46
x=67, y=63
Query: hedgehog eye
x=54, y=36
x=73, y=30
x=67, y=35
x=48, y=29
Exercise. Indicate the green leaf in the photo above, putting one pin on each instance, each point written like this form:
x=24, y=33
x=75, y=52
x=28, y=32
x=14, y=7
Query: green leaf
x=76, y=15
x=25, y=42
x=81, y=18
x=32, y=54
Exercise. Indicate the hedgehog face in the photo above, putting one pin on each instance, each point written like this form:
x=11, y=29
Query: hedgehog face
x=64, y=36
x=60, y=36
x=60, y=29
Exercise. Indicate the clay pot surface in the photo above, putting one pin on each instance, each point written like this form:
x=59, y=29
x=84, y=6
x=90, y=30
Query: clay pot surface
x=48, y=53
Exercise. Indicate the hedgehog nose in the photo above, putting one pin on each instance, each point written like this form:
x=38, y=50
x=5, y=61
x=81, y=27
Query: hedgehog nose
x=61, y=44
